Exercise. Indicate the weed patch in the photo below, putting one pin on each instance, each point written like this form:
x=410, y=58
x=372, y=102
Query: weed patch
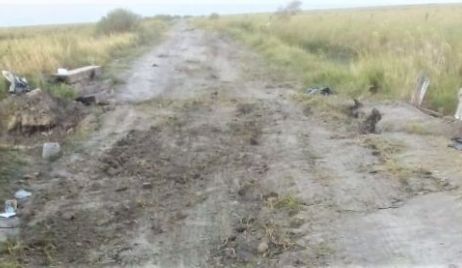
x=363, y=52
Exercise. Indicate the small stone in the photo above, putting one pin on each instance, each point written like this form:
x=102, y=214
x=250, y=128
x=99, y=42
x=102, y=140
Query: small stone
x=262, y=247
x=103, y=221
x=147, y=185
x=230, y=253
x=296, y=222
x=122, y=189
x=51, y=151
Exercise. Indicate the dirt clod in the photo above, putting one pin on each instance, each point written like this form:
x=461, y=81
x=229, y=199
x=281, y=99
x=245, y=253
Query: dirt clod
x=369, y=124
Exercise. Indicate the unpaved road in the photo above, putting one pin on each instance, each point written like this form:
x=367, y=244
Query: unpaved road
x=206, y=160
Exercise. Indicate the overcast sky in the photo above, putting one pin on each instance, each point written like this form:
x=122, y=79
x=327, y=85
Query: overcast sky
x=31, y=12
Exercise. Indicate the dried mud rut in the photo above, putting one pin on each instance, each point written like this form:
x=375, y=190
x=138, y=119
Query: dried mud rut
x=206, y=160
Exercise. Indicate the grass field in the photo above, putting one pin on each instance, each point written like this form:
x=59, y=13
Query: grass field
x=36, y=52
x=357, y=50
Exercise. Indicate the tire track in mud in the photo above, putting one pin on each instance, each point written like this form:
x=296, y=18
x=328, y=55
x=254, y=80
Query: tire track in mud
x=179, y=181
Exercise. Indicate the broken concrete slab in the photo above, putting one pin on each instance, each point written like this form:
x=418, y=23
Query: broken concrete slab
x=51, y=151
x=82, y=74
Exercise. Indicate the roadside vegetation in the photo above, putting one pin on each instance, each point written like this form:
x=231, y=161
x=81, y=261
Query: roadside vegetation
x=37, y=51
x=10, y=163
x=361, y=52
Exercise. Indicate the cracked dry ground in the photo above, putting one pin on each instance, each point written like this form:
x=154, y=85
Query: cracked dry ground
x=206, y=160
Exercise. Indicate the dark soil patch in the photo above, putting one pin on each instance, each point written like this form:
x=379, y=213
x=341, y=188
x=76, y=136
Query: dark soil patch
x=36, y=117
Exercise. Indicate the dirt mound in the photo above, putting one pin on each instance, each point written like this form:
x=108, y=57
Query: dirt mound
x=36, y=111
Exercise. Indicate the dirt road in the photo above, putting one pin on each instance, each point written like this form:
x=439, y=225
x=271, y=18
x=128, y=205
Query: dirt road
x=206, y=160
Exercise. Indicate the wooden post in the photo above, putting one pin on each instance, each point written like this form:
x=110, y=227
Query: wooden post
x=421, y=89
x=458, y=114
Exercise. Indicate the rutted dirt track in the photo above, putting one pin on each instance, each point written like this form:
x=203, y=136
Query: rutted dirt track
x=207, y=161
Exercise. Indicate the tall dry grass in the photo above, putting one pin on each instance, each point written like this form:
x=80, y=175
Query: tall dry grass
x=356, y=50
x=37, y=52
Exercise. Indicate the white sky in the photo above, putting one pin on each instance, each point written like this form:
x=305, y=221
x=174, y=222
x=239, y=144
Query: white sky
x=31, y=12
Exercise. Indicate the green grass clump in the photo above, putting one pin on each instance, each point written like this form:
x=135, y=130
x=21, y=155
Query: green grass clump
x=118, y=21
x=63, y=91
x=289, y=202
x=359, y=50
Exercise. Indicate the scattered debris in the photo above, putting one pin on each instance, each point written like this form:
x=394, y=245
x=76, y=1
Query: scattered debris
x=82, y=74
x=22, y=194
x=457, y=143
x=99, y=99
x=368, y=125
x=458, y=114
x=423, y=82
x=324, y=91
x=10, y=209
x=18, y=84
x=87, y=100
x=51, y=151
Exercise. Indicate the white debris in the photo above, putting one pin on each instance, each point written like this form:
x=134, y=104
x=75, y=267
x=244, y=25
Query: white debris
x=18, y=84
x=7, y=214
x=62, y=71
x=22, y=194
x=10, y=209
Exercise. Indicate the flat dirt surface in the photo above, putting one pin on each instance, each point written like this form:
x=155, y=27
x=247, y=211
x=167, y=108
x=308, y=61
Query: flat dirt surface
x=207, y=159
